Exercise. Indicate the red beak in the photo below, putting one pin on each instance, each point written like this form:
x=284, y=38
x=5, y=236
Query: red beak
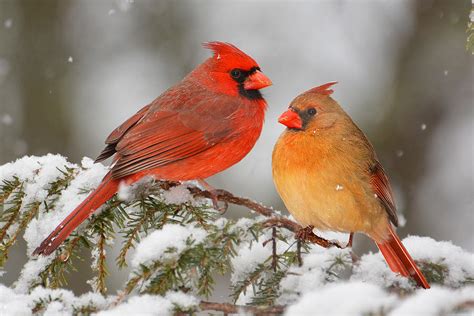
x=257, y=81
x=291, y=119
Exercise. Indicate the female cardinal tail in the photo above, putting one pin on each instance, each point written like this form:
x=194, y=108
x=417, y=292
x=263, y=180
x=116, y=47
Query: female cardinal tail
x=106, y=189
x=400, y=261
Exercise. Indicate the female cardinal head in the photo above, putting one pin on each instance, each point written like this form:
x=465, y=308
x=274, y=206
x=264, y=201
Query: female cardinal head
x=313, y=109
x=232, y=72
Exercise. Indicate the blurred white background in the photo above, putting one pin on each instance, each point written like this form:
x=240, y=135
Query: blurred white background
x=71, y=71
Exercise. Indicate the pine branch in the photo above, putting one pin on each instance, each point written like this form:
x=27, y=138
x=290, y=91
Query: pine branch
x=9, y=215
x=27, y=216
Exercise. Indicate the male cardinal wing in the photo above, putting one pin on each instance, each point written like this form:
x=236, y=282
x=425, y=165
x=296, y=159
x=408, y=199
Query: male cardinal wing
x=382, y=189
x=168, y=135
x=118, y=133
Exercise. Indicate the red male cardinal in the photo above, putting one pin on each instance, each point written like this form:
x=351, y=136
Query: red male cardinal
x=204, y=124
x=329, y=177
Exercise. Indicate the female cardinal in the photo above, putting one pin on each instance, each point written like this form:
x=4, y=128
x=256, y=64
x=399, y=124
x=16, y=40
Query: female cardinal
x=329, y=177
x=204, y=124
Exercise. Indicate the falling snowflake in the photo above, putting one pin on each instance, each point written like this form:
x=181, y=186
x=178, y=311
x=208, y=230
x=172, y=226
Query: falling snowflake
x=8, y=23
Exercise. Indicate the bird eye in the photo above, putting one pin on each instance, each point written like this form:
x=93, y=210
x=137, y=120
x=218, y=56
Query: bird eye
x=235, y=73
x=311, y=111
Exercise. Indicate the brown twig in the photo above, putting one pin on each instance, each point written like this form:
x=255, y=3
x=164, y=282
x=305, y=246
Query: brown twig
x=227, y=308
x=275, y=220
x=274, y=249
x=298, y=253
x=295, y=227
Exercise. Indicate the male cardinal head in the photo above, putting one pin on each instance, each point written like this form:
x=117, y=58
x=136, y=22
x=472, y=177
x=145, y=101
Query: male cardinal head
x=232, y=72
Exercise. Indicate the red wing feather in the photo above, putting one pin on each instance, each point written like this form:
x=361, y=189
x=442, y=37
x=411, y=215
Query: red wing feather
x=118, y=133
x=382, y=189
x=167, y=136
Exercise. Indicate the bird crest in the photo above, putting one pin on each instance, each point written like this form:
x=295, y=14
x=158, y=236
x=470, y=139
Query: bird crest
x=225, y=53
x=323, y=89
x=221, y=48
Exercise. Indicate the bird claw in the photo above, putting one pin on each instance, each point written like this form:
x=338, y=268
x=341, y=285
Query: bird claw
x=214, y=194
x=215, y=201
x=305, y=233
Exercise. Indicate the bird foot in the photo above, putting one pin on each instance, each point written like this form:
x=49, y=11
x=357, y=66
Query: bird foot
x=214, y=194
x=306, y=234
x=215, y=202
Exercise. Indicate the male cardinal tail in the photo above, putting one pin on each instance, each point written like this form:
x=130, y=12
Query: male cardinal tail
x=400, y=261
x=106, y=189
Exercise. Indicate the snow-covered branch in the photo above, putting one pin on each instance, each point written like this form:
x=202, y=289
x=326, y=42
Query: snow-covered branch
x=176, y=243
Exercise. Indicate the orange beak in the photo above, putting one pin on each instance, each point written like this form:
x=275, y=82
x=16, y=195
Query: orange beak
x=291, y=119
x=257, y=81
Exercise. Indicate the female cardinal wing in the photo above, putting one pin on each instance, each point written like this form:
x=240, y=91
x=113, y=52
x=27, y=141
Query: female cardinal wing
x=382, y=189
x=170, y=134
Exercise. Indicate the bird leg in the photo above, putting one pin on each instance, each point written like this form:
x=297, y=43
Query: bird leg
x=351, y=238
x=214, y=196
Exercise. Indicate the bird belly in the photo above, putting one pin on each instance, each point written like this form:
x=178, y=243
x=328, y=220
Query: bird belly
x=326, y=207
x=209, y=162
x=324, y=195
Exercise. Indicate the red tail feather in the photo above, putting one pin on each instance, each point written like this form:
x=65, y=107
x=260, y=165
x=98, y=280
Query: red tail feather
x=400, y=261
x=99, y=196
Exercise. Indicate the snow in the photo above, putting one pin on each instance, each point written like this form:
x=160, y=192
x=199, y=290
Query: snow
x=153, y=305
x=141, y=305
x=91, y=299
x=423, y=126
x=6, y=119
x=59, y=301
x=167, y=243
x=70, y=59
x=177, y=195
x=314, y=272
x=373, y=268
x=319, y=286
x=436, y=301
x=355, y=298
x=8, y=23
x=248, y=257
x=184, y=301
x=459, y=262
x=124, y=5
x=31, y=273
x=124, y=192
x=88, y=179
x=341, y=238
x=12, y=303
